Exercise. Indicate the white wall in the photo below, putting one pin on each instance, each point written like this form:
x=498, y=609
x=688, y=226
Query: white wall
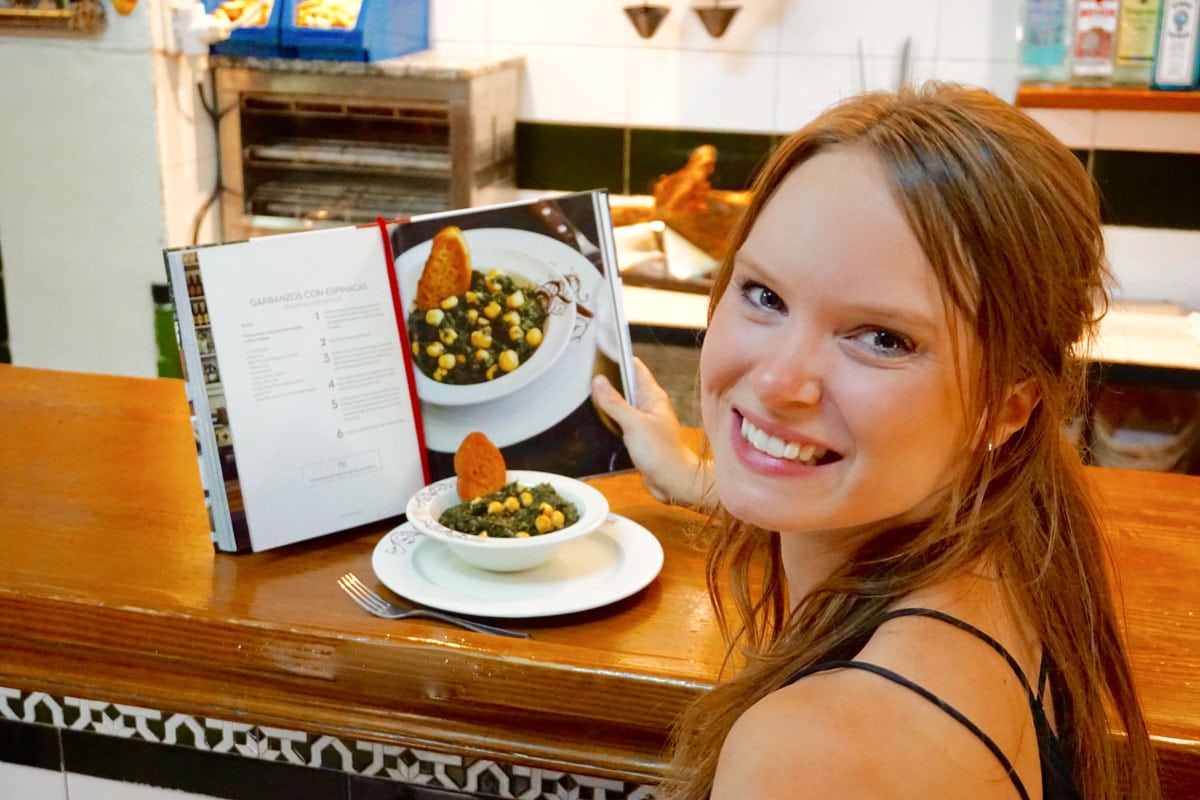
x=105, y=156
x=779, y=62
x=85, y=210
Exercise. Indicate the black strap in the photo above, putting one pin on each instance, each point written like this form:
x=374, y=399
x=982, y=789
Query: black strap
x=984, y=637
x=931, y=697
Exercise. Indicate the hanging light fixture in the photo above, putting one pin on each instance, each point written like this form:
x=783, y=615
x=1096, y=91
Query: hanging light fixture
x=646, y=17
x=716, y=18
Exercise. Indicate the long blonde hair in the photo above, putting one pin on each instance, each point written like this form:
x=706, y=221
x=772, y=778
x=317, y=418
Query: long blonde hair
x=1009, y=220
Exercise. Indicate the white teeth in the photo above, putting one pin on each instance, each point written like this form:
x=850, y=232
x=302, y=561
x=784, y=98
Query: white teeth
x=774, y=446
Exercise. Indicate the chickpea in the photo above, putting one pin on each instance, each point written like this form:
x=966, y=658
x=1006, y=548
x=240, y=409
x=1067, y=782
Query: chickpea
x=511, y=317
x=543, y=524
x=491, y=310
x=491, y=372
x=434, y=316
x=508, y=361
x=512, y=503
x=481, y=339
x=447, y=361
x=522, y=535
x=495, y=507
x=557, y=518
x=483, y=356
x=416, y=348
x=435, y=350
x=516, y=299
x=526, y=499
x=448, y=335
x=472, y=315
x=449, y=303
x=460, y=358
x=533, y=337
x=515, y=333
x=439, y=374
x=472, y=299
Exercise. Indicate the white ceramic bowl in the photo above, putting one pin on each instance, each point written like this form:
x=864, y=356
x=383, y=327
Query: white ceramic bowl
x=507, y=555
x=530, y=258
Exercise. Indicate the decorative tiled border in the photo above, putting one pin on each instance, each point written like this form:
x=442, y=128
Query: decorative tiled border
x=351, y=756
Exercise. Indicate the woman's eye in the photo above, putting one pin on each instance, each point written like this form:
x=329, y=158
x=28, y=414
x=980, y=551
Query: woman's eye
x=762, y=297
x=886, y=343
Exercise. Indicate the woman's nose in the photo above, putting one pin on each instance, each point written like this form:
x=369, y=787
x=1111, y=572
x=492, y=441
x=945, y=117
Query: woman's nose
x=790, y=375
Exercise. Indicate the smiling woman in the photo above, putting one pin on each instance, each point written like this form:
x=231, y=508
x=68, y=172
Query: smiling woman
x=886, y=375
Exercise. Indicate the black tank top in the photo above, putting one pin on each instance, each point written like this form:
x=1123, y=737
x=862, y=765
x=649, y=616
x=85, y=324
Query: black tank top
x=1057, y=782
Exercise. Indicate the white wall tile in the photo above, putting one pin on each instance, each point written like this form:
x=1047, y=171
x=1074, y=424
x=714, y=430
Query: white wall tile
x=695, y=89
x=1154, y=264
x=80, y=255
x=808, y=84
x=979, y=29
x=554, y=22
x=814, y=27
x=1159, y=131
x=575, y=84
x=19, y=781
x=1074, y=127
x=456, y=21
x=998, y=77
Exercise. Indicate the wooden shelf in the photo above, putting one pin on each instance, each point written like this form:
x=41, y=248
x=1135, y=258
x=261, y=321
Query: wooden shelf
x=1114, y=99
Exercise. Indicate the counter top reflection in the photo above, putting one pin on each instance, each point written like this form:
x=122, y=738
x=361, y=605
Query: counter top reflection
x=110, y=589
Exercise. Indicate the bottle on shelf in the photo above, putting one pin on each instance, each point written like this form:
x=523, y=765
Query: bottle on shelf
x=1176, y=60
x=1094, y=44
x=1043, y=38
x=1137, y=31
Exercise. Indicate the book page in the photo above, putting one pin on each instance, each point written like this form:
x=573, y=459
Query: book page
x=309, y=357
x=558, y=251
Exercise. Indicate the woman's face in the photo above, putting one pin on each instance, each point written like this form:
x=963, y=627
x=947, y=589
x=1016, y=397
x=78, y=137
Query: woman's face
x=828, y=380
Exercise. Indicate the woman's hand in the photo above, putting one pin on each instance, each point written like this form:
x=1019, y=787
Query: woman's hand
x=671, y=470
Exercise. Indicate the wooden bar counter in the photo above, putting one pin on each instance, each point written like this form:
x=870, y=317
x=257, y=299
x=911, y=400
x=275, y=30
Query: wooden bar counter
x=110, y=591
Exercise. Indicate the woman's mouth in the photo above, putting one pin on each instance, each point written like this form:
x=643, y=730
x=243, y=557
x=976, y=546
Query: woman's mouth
x=807, y=454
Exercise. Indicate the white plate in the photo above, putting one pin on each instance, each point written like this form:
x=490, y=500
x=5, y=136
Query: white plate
x=530, y=257
x=618, y=559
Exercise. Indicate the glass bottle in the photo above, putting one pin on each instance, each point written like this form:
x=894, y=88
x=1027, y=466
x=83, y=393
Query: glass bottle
x=1043, y=35
x=1176, y=63
x=1137, y=30
x=1094, y=44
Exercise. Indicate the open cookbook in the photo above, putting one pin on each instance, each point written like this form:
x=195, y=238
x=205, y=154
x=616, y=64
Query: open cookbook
x=332, y=373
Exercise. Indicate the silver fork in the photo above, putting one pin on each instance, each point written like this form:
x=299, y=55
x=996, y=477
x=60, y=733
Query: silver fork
x=371, y=602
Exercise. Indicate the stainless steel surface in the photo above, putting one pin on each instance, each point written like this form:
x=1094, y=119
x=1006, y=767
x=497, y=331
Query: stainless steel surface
x=372, y=603
x=303, y=148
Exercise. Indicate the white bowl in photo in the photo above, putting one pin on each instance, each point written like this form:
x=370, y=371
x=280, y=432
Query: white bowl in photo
x=532, y=259
x=500, y=554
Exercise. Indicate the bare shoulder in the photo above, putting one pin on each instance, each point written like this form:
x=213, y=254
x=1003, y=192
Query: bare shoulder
x=850, y=733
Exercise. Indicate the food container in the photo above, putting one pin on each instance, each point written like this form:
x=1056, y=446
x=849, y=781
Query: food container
x=354, y=30
x=507, y=555
x=259, y=37
x=1144, y=428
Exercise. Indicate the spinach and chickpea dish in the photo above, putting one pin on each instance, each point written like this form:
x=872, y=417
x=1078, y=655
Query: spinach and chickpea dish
x=514, y=512
x=489, y=330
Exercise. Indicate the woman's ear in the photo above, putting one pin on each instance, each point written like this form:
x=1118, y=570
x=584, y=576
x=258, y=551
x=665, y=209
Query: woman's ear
x=1015, y=410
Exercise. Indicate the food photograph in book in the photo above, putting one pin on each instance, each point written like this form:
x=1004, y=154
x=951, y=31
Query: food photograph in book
x=509, y=312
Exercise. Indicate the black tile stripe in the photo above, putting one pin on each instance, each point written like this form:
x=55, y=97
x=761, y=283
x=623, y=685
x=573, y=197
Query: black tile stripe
x=214, y=774
x=379, y=789
x=30, y=745
x=1149, y=190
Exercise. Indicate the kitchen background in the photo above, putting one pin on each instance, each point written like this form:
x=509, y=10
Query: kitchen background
x=106, y=156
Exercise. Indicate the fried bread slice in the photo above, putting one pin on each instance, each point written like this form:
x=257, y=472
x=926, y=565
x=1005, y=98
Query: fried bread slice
x=447, y=271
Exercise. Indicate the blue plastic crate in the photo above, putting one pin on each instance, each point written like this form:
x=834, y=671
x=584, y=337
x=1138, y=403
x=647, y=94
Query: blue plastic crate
x=258, y=40
x=383, y=29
